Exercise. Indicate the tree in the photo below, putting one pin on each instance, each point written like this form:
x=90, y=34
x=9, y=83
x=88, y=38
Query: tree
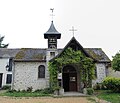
x=3, y=45
x=116, y=62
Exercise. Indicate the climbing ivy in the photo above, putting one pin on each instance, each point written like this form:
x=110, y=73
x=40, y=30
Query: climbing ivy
x=69, y=56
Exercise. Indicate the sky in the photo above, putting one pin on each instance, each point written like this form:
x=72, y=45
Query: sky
x=24, y=22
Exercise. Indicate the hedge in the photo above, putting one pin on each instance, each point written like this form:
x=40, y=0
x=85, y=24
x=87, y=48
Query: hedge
x=112, y=83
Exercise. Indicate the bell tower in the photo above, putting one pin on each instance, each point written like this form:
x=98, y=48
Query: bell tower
x=52, y=35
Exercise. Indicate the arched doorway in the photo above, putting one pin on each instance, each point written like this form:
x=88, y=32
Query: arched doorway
x=69, y=78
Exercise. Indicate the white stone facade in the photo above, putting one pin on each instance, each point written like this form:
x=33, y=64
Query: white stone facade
x=48, y=54
x=3, y=70
x=101, y=73
x=26, y=76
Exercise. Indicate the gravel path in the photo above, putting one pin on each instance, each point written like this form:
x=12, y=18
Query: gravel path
x=43, y=100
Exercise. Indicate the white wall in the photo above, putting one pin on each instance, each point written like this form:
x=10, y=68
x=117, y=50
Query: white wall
x=101, y=73
x=26, y=75
x=48, y=57
x=3, y=63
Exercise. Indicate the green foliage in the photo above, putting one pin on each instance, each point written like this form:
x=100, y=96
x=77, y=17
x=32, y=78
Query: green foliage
x=99, y=86
x=109, y=96
x=112, y=84
x=6, y=87
x=116, y=62
x=53, y=75
x=69, y=56
x=90, y=91
x=1, y=44
x=45, y=91
x=24, y=93
x=87, y=71
x=48, y=90
x=29, y=89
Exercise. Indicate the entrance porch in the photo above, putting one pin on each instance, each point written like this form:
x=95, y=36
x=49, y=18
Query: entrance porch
x=71, y=79
x=73, y=94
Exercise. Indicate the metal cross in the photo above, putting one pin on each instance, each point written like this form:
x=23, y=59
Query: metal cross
x=73, y=30
x=52, y=9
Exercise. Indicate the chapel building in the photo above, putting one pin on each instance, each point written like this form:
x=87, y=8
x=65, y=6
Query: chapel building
x=28, y=67
x=31, y=65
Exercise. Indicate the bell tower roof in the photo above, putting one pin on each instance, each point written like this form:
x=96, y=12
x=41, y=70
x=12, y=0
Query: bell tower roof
x=52, y=32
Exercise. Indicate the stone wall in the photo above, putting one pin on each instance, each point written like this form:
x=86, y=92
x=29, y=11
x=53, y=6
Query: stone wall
x=101, y=73
x=112, y=73
x=48, y=57
x=26, y=75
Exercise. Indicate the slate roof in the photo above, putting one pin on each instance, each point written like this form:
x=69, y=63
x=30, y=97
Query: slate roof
x=31, y=54
x=98, y=54
x=24, y=54
x=6, y=53
x=52, y=32
x=36, y=54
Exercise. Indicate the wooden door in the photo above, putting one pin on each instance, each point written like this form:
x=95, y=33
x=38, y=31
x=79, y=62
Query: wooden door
x=66, y=82
x=69, y=78
x=73, y=82
x=1, y=79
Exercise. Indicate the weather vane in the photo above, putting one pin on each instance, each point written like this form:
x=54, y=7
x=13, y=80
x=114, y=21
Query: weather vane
x=52, y=9
x=73, y=30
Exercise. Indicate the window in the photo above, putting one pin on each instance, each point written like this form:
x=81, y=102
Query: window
x=41, y=71
x=9, y=79
x=52, y=54
x=10, y=65
x=52, y=40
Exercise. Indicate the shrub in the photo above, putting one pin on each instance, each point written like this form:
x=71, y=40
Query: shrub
x=48, y=90
x=45, y=91
x=6, y=87
x=88, y=91
x=29, y=89
x=99, y=86
x=11, y=91
x=112, y=83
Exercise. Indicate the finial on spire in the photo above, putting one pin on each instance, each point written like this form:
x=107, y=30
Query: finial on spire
x=73, y=30
x=52, y=9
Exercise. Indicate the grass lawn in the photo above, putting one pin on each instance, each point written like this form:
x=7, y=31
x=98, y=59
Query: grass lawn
x=108, y=96
x=24, y=94
x=101, y=94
